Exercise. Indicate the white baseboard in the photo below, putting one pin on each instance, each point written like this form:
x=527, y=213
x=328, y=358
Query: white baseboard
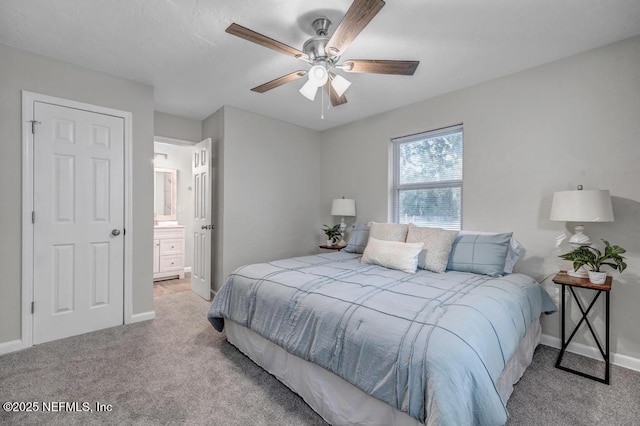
x=10, y=346
x=593, y=352
x=187, y=269
x=144, y=316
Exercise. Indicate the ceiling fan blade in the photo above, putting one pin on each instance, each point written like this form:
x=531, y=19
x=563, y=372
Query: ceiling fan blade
x=279, y=81
x=357, y=17
x=247, y=34
x=380, y=66
x=333, y=96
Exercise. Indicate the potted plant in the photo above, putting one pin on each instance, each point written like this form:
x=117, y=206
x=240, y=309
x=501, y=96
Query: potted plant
x=333, y=234
x=594, y=259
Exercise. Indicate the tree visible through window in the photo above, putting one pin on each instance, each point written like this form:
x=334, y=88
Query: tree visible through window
x=428, y=178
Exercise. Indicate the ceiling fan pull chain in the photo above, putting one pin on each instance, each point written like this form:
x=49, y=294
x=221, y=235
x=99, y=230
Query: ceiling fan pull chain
x=322, y=105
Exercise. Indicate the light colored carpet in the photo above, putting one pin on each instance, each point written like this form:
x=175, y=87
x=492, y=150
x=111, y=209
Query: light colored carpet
x=173, y=370
x=178, y=370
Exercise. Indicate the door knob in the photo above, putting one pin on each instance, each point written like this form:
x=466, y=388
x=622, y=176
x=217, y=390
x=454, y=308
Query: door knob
x=115, y=232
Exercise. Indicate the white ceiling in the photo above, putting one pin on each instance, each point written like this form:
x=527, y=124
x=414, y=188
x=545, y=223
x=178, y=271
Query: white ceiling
x=180, y=47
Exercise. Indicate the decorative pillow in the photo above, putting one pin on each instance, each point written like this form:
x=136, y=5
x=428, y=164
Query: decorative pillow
x=513, y=254
x=480, y=254
x=358, y=238
x=437, y=246
x=389, y=231
x=392, y=254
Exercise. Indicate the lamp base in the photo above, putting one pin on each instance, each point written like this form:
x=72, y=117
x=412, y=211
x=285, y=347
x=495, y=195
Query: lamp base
x=579, y=238
x=343, y=228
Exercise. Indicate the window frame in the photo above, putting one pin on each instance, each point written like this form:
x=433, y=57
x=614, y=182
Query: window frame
x=397, y=187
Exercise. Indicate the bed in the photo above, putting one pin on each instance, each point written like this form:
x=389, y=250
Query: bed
x=364, y=344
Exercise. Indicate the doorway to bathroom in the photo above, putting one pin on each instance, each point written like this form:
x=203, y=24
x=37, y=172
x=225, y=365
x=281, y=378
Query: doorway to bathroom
x=183, y=182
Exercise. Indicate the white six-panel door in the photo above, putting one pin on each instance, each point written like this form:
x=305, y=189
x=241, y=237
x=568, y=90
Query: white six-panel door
x=79, y=218
x=202, y=218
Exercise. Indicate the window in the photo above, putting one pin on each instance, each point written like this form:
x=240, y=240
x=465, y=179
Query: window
x=428, y=178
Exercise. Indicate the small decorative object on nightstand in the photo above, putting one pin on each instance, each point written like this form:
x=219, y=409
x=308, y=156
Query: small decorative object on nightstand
x=565, y=280
x=595, y=259
x=333, y=234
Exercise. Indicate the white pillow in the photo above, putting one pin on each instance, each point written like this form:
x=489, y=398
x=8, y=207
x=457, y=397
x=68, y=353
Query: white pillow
x=392, y=254
x=437, y=246
x=513, y=254
x=388, y=231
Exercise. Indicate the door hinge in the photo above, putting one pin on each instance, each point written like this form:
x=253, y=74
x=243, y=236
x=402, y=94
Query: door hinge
x=33, y=125
x=33, y=216
x=33, y=304
x=124, y=231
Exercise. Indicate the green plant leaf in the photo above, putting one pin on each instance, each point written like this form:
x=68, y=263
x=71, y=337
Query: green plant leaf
x=594, y=259
x=577, y=265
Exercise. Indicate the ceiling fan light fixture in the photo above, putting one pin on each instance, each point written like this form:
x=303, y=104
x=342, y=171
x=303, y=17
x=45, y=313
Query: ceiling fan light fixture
x=323, y=52
x=340, y=84
x=309, y=90
x=318, y=75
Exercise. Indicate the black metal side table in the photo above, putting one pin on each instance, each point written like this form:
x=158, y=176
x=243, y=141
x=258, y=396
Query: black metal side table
x=568, y=281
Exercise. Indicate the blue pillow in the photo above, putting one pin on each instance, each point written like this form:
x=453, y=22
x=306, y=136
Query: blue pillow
x=358, y=239
x=480, y=254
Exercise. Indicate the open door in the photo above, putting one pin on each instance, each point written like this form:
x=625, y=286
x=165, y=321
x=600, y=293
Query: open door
x=202, y=168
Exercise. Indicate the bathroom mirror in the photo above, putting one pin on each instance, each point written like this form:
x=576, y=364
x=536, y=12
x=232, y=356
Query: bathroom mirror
x=164, y=202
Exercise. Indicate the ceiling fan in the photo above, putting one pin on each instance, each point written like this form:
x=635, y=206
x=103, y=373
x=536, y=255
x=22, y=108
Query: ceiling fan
x=323, y=53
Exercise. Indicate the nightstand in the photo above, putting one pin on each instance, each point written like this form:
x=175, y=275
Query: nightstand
x=333, y=247
x=568, y=281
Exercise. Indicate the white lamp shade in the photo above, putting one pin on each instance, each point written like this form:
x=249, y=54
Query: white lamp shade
x=309, y=90
x=340, y=84
x=343, y=207
x=582, y=206
x=318, y=75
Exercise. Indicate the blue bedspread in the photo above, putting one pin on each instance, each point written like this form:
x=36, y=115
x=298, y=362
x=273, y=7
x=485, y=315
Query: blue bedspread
x=432, y=345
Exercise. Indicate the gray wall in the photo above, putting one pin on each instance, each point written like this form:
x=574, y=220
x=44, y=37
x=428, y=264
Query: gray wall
x=179, y=158
x=21, y=70
x=527, y=135
x=574, y=121
x=271, y=185
x=172, y=126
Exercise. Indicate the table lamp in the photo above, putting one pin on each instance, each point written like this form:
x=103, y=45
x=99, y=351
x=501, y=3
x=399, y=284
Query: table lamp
x=581, y=206
x=343, y=207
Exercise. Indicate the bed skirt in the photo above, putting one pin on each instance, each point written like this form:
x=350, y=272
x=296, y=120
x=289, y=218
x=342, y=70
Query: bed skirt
x=338, y=401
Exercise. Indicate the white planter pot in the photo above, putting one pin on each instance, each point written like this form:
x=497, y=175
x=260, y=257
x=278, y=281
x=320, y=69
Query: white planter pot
x=597, y=277
x=329, y=243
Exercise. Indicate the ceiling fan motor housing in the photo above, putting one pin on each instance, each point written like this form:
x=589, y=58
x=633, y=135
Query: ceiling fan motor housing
x=314, y=48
